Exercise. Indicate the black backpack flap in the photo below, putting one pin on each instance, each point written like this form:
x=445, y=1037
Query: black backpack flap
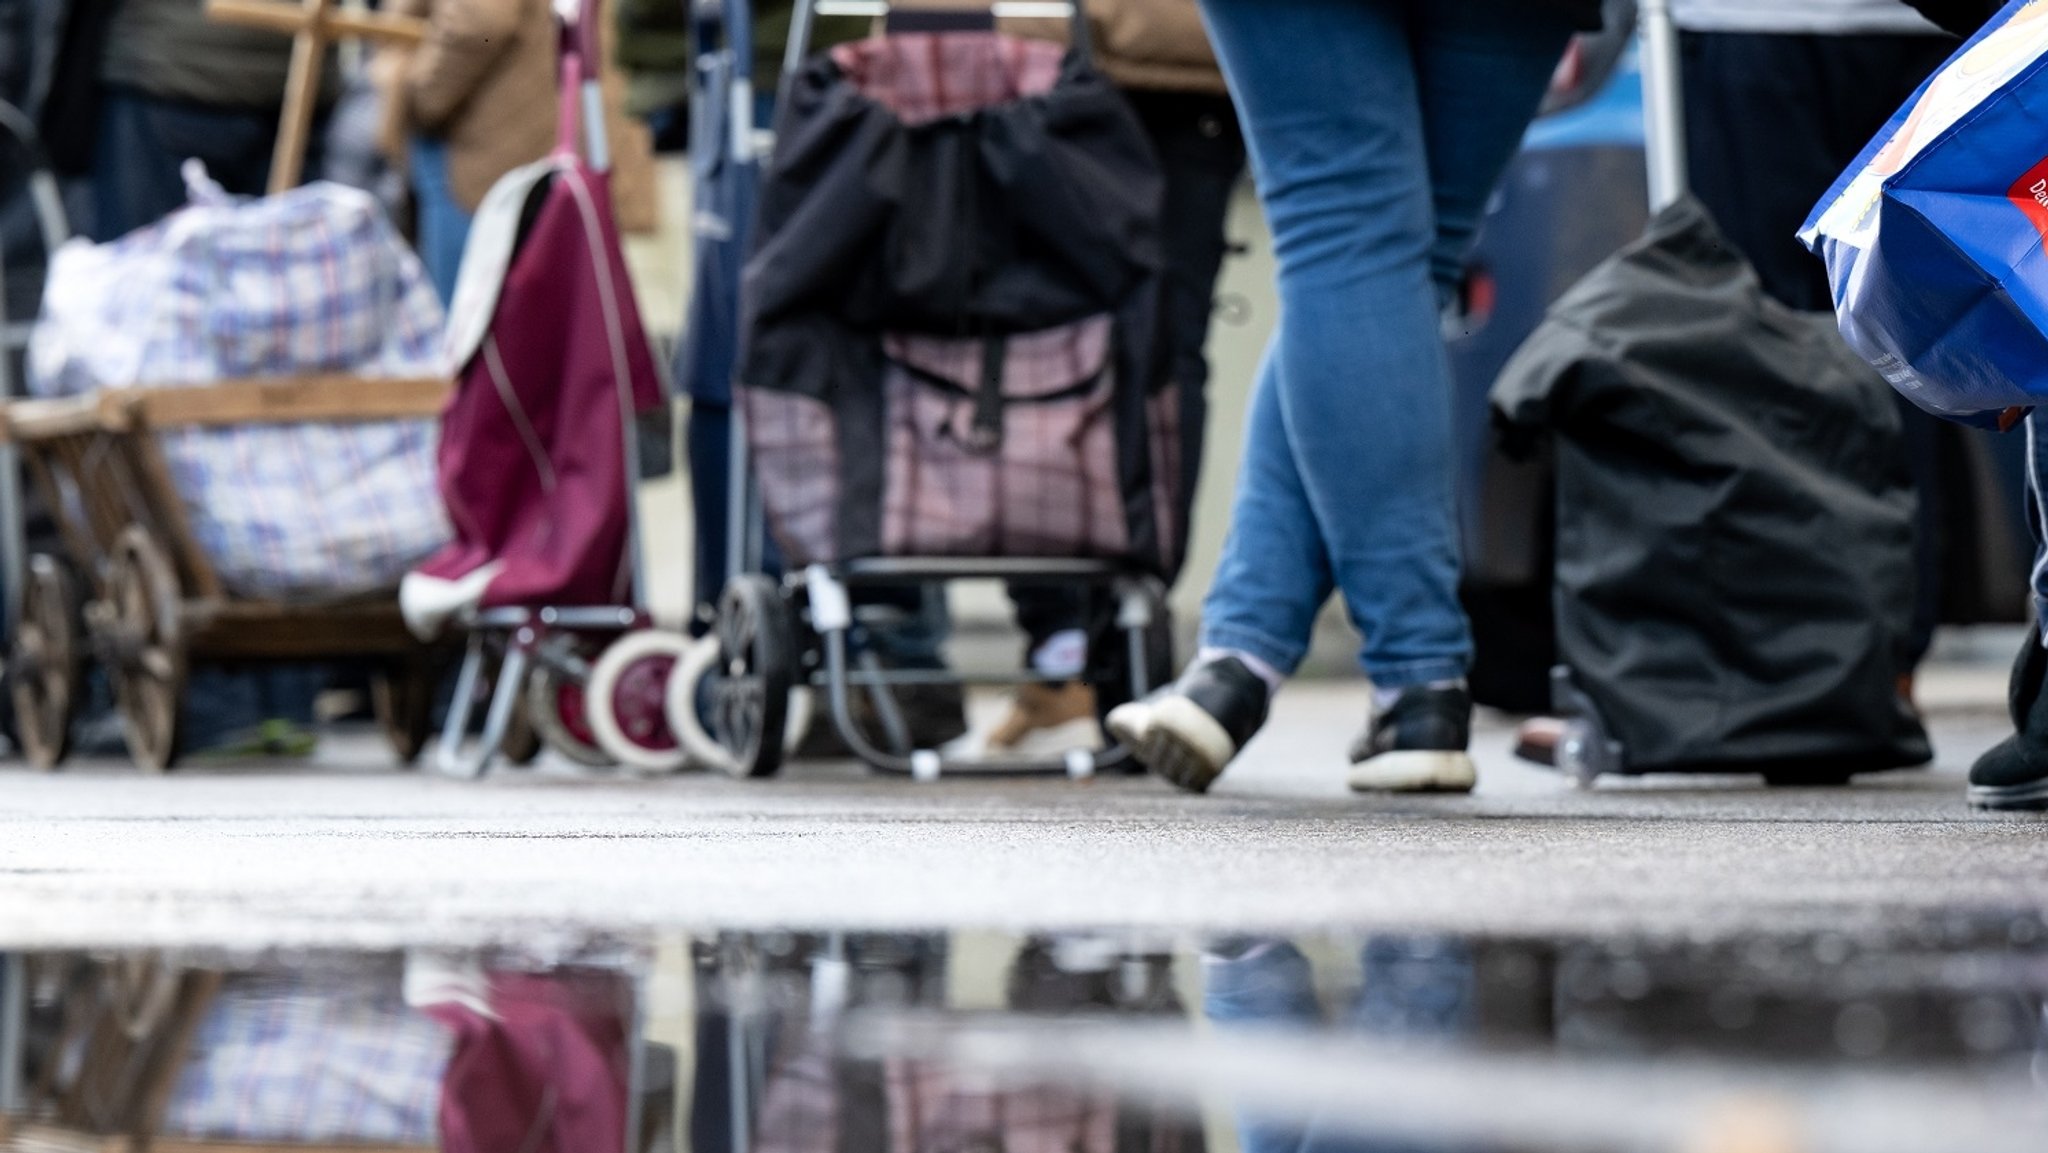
x=1019, y=217
x=1734, y=516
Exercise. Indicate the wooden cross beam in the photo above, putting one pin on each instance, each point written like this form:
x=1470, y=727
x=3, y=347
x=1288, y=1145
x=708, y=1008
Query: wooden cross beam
x=312, y=25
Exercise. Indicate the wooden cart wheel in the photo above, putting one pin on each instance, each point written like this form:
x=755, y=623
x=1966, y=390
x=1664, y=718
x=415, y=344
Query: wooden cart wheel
x=44, y=672
x=142, y=616
x=402, y=697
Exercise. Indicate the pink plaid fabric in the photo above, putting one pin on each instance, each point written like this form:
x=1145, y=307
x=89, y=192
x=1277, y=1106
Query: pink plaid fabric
x=1035, y=364
x=800, y=1106
x=927, y=76
x=795, y=442
x=934, y=1110
x=1048, y=487
x=930, y=1110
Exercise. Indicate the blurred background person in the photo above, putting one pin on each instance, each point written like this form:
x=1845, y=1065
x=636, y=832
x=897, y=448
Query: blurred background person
x=1780, y=99
x=2013, y=775
x=178, y=86
x=475, y=100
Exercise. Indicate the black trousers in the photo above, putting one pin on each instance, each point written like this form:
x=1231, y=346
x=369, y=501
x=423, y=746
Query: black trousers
x=1771, y=121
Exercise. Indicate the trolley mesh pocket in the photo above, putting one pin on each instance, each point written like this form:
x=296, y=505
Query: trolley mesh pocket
x=1003, y=447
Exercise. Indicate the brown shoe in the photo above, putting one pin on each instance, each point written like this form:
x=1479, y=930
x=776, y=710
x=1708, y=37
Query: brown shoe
x=1538, y=739
x=1039, y=709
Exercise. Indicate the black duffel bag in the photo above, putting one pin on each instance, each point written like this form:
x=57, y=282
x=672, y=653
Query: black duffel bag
x=1735, y=520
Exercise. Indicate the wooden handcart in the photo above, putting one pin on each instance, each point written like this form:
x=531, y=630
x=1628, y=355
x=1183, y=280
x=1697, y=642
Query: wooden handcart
x=138, y=594
x=107, y=1077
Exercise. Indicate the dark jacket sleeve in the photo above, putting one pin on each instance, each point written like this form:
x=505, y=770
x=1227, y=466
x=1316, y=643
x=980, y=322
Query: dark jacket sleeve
x=1962, y=17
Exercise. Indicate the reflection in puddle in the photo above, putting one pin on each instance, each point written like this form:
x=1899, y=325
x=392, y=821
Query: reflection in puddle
x=1069, y=1043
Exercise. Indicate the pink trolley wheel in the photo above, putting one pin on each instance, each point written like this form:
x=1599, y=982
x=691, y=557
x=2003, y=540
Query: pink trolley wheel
x=558, y=707
x=627, y=701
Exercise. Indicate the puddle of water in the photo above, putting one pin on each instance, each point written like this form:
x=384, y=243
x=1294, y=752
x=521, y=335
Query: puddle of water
x=1930, y=1039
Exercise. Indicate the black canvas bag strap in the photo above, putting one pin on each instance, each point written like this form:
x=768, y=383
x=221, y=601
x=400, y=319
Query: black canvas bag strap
x=986, y=435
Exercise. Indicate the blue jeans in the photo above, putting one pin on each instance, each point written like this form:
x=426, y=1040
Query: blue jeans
x=143, y=142
x=1416, y=988
x=443, y=225
x=1377, y=130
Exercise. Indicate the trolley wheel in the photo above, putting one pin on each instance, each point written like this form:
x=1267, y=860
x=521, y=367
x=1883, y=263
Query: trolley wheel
x=689, y=700
x=402, y=697
x=558, y=712
x=45, y=672
x=628, y=701
x=142, y=614
x=757, y=665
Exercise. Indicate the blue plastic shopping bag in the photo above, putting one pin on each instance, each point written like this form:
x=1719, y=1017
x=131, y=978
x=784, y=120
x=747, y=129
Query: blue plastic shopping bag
x=1934, y=237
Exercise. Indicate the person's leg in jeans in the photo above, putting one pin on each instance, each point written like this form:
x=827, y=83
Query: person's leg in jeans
x=1377, y=130
x=443, y=225
x=2013, y=776
x=1265, y=984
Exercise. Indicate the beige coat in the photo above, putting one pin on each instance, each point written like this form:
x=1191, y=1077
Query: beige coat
x=484, y=81
x=1154, y=45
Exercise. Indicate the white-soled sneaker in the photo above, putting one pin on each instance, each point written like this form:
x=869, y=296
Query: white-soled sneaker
x=1419, y=745
x=1190, y=730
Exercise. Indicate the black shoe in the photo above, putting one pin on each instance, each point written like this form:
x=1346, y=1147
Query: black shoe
x=1188, y=731
x=1418, y=746
x=2013, y=776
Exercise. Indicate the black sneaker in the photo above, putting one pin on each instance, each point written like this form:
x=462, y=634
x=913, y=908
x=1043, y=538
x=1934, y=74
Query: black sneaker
x=2013, y=776
x=1418, y=746
x=1188, y=731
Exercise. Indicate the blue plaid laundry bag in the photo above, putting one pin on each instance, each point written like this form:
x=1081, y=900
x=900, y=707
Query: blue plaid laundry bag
x=312, y=281
x=1933, y=238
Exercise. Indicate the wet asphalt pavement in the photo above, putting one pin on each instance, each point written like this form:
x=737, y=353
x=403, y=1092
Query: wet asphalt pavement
x=350, y=852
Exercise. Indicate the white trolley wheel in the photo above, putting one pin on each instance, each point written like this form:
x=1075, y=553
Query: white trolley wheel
x=685, y=719
x=686, y=716
x=627, y=700
x=558, y=708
